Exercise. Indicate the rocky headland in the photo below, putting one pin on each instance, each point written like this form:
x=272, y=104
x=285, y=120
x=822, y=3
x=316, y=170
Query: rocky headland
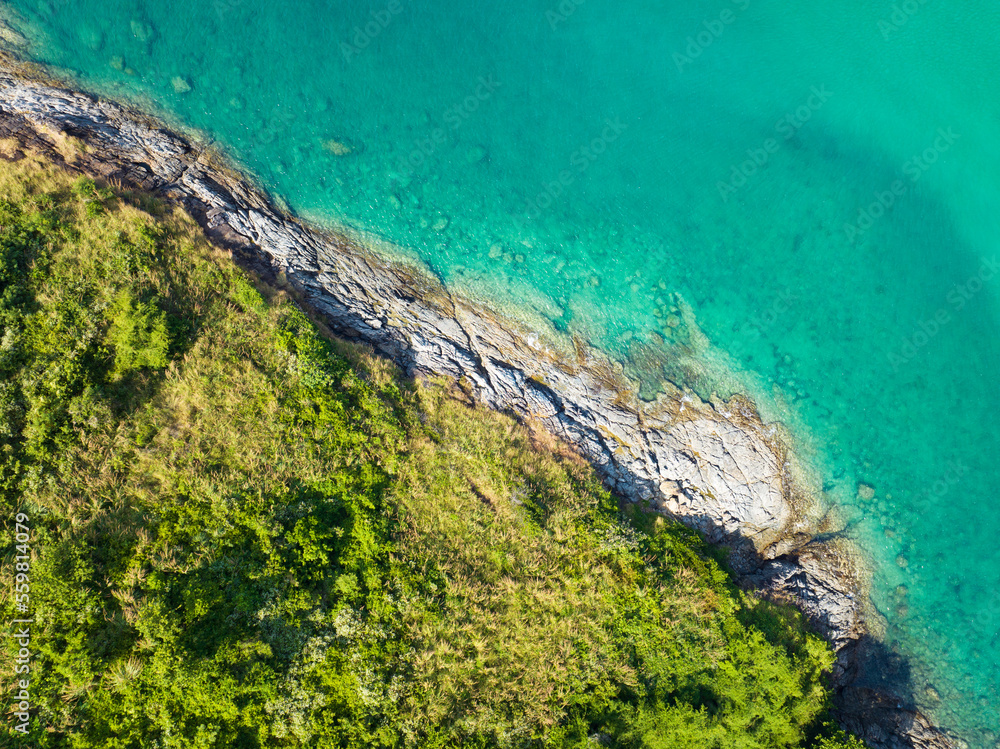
x=712, y=465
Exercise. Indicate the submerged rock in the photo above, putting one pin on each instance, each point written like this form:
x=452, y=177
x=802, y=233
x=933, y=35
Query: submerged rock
x=475, y=154
x=11, y=37
x=142, y=31
x=92, y=38
x=181, y=84
x=336, y=147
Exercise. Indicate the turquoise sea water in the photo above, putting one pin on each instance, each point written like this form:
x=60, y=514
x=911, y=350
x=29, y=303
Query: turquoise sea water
x=820, y=183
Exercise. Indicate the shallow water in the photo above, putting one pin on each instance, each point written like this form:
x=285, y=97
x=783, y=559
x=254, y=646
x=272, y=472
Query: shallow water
x=820, y=185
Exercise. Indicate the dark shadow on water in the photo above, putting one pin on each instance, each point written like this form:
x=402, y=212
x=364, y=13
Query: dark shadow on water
x=874, y=697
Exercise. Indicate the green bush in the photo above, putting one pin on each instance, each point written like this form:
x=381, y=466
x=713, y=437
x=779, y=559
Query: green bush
x=137, y=334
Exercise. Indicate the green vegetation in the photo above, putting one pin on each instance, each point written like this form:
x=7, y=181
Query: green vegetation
x=245, y=534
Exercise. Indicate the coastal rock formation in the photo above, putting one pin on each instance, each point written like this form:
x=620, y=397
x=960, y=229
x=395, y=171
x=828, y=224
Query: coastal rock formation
x=712, y=466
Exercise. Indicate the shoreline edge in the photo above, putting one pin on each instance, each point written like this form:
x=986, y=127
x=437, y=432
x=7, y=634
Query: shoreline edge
x=714, y=466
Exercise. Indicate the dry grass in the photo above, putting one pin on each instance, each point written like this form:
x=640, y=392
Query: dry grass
x=520, y=592
x=67, y=146
x=9, y=147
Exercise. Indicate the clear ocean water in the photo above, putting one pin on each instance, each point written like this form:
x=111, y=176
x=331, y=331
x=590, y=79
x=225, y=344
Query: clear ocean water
x=819, y=184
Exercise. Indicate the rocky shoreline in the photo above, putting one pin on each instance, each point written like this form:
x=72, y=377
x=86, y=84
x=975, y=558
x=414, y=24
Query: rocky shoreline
x=714, y=466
